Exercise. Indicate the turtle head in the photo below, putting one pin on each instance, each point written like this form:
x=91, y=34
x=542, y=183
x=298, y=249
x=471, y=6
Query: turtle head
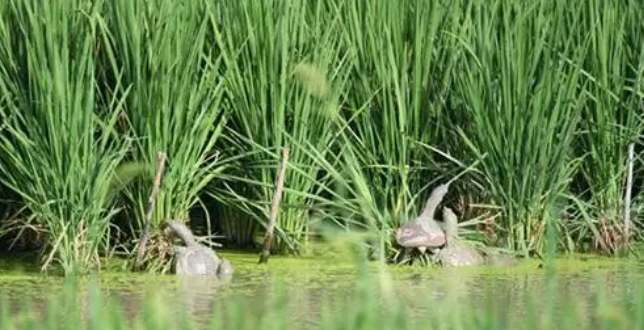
x=451, y=223
x=225, y=268
x=440, y=191
x=177, y=250
x=435, y=198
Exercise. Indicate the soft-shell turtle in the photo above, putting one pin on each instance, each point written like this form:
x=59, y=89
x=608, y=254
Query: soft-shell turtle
x=456, y=253
x=195, y=259
x=424, y=232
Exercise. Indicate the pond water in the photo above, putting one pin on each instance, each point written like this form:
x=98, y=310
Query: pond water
x=311, y=280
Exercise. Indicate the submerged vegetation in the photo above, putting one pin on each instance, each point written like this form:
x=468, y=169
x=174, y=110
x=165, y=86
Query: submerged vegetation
x=533, y=102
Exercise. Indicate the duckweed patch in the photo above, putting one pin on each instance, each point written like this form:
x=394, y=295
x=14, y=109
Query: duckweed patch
x=274, y=297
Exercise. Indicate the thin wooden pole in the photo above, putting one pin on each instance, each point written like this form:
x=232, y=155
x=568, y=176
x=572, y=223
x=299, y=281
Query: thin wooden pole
x=629, y=188
x=277, y=198
x=151, y=202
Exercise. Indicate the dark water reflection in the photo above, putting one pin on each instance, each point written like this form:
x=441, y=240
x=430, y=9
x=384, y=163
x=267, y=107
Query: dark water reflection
x=424, y=291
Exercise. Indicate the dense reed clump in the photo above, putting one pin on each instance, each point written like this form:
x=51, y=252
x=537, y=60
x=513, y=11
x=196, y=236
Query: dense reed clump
x=160, y=59
x=377, y=101
x=281, y=68
x=58, y=151
x=396, y=114
x=613, y=71
x=521, y=87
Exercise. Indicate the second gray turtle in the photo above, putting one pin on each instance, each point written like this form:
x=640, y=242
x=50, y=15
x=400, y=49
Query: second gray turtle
x=456, y=253
x=195, y=259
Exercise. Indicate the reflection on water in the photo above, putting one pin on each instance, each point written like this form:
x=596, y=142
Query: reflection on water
x=422, y=290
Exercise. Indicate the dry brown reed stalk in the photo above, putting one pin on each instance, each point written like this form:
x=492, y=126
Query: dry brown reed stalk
x=277, y=198
x=151, y=203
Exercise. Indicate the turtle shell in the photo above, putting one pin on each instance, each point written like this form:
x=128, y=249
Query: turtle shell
x=420, y=233
x=459, y=255
x=196, y=260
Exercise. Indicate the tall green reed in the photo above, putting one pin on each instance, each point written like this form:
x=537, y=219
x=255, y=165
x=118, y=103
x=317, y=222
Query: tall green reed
x=520, y=83
x=395, y=118
x=282, y=68
x=611, y=119
x=56, y=152
x=378, y=101
x=160, y=56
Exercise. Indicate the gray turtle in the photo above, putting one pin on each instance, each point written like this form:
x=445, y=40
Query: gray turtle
x=424, y=232
x=456, y=253
x=195, y=259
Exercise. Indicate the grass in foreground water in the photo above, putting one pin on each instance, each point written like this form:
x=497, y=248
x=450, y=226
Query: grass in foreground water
x=372, y=304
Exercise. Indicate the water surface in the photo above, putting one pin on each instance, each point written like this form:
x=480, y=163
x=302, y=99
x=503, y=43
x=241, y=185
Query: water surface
x=312, y=282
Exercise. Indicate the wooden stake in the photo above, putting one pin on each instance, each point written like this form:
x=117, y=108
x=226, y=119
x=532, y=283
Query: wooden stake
x=277, y=198
x=629, y=188
x=161, y=158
